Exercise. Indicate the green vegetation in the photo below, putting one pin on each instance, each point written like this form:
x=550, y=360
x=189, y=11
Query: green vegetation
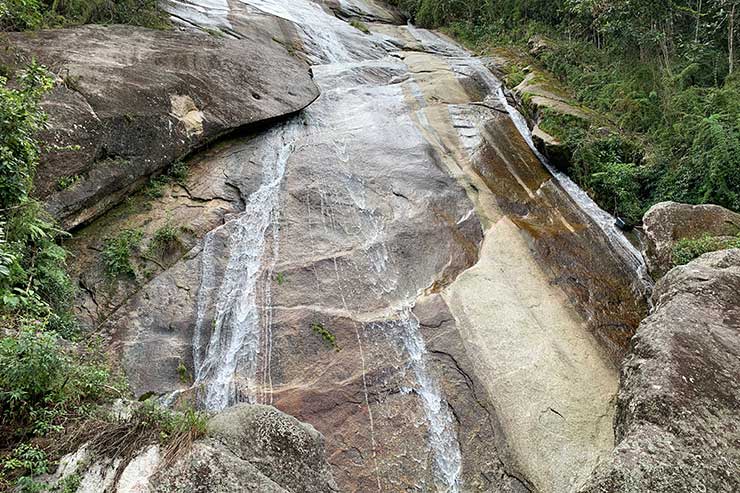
x=45, y=384
x=176, y=173
x=360, y=26
x=117, y=252
x=329, y=338
x=68, y=182
x=280, y=278
x=688, y=249
x=662, y=74
x=155, y=188
x=164, y=239
x=45, y=380
x=22, y=15
x=183, y=373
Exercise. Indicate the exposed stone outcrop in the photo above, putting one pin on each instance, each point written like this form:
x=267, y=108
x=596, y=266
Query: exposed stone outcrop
x=134, y=100
x=252, y=448
x=668, y=222
x=248, y=448
x=376, y=197
x=676, y=423
x=367, y=10
x=541, y=96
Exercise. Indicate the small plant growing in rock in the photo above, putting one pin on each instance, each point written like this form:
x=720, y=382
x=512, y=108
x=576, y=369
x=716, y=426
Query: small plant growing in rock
x=117, y=252
x=164, y=238
x=155, y=188
x=66, y=182
x=183, y=373
x=179, y=170
x=216, y=33
x=280, y=278
x=360, y=26
x=329, y=338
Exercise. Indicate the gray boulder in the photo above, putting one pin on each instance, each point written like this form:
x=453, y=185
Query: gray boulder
x=252, y=448
x=135, y=100
x=249, y=448
x=677, y=425
x=667, y=222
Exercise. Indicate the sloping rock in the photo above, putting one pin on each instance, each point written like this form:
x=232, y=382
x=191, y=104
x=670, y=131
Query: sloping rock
x=667, y=222
x=135, y=100
x=677, y=423
x=367, y=10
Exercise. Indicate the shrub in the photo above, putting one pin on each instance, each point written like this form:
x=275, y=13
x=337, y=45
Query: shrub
x=688, y=249
x=117, y=252
x=38, y=373
x=20, y=120
x=19, y=15
x=164, y=238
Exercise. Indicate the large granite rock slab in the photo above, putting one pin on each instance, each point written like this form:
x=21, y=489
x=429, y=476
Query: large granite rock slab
x=677, y=413
x=667, y=222
x=135, y=100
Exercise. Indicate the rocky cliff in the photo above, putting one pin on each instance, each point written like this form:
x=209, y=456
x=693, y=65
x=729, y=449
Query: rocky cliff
x=131, y=101
x=676, y=423
x=393, y=265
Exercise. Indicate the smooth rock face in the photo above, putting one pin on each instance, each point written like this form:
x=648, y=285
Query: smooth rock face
x=667, y=222
x=135, y=100
x=677, y=414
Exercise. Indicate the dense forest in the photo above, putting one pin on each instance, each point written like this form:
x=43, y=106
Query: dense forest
x=662, y=74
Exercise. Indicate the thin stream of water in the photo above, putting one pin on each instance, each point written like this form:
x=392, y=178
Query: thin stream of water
x=230, y=323
x=233, y=341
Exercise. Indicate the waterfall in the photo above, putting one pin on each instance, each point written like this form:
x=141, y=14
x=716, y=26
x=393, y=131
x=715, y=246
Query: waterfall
x=442, y=434
x=605, y=221
x=229, y=326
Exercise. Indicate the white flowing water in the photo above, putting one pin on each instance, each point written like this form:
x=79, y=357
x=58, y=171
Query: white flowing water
x=605, y=221
x=230, y=323
x=442, y=435
x=232, y=340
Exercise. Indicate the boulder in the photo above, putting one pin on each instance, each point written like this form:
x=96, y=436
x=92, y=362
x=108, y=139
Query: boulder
x=131, y=101
x=252, y=448
x=249, y=448
x=676, y=424
x=538, y=45
x=667, y=222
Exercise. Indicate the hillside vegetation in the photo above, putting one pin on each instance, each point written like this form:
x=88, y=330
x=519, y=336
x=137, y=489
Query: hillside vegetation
x=21, y=15
x=662, y=73
x=52, y=376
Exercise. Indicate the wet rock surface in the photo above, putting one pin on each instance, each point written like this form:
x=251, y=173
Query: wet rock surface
x=135, y=100
x=668, y=222
x=359, y=266
x=676, y=423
